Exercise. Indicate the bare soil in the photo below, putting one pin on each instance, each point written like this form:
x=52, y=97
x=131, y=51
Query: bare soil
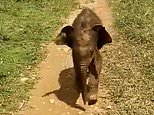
x=55, y=93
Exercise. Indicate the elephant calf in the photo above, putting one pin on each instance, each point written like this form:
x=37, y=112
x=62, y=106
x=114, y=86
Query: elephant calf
x=85, y=37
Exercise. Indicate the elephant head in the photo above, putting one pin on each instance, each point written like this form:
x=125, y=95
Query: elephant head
x=84, y=42
x=68, y=34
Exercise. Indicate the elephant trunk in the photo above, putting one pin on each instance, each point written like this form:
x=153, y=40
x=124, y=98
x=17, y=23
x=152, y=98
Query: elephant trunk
x=83, y=78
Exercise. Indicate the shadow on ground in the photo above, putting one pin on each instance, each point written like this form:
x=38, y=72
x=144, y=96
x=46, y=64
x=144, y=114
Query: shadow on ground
x=68, y=89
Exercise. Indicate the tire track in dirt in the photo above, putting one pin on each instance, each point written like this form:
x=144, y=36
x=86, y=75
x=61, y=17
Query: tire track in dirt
x=57, y=76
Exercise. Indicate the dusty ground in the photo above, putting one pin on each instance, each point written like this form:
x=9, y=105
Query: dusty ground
x=57, y=77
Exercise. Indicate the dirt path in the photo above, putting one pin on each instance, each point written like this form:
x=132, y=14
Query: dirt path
x=57, y=76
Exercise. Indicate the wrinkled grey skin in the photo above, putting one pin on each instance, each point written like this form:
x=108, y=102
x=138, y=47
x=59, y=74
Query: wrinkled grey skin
x=85, y=37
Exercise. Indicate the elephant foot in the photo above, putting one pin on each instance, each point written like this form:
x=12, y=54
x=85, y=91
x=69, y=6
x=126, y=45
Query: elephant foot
x=92, y=102
x=92, y=99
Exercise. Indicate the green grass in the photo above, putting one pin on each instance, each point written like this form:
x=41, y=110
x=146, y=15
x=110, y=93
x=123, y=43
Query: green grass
x=129, y=64
x=24, y=26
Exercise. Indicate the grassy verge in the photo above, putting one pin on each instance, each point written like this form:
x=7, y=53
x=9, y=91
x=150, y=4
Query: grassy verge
x=24, y=26
x=129, y=66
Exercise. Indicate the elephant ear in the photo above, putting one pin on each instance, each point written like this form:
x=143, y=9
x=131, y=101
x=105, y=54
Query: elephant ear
x=103, y=36
x=65, y=36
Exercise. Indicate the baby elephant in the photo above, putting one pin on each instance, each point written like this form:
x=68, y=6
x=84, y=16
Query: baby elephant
x=85, y=37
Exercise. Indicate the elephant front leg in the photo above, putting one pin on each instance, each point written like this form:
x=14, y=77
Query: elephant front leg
x=92, y=85
x=93, y=79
